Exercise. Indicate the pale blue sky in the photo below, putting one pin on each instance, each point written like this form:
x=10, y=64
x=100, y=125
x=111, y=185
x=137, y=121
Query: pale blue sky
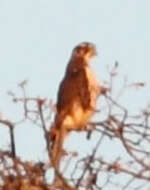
x=37, y=37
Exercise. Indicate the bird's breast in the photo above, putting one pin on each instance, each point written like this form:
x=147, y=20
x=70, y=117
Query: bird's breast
x=93, y=85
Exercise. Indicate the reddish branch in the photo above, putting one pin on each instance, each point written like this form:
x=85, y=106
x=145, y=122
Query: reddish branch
x=131, y=131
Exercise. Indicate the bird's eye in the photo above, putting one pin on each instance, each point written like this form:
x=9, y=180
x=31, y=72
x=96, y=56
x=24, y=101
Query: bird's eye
x=78, y=49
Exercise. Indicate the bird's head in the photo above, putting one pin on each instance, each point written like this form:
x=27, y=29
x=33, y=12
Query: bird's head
x=85, y=50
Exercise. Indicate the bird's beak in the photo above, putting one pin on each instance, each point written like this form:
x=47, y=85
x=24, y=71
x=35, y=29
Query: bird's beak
x=93, y=52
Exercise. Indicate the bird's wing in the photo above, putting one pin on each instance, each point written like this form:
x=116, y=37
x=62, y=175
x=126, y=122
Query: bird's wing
x=74, y=87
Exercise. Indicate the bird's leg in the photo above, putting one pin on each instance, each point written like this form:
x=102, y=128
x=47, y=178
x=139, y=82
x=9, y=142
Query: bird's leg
x=89, y=131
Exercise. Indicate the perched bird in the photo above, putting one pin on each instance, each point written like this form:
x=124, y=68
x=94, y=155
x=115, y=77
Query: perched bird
x=76, y=99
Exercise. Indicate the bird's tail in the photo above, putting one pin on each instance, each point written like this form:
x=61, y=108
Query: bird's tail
x=57, y=135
